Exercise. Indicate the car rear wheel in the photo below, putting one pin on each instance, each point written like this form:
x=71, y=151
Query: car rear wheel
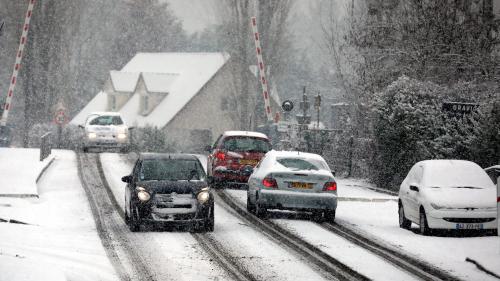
x=85, y=149
x=329, y=215
x=250, y=205
x=403, y=221
x=424, y=227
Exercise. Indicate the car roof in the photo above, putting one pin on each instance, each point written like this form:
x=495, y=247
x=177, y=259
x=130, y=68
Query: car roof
x=446, y=162
x=179, y=156
x=245, y=134
x=294, y=154
x=110, y=113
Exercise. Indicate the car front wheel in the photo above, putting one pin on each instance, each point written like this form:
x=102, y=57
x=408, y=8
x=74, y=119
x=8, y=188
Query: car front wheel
x=210, y=221
x=424, y=227
x=133, y=223
x=403, y=221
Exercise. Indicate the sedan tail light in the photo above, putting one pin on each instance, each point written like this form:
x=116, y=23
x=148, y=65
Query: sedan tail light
x=269, y=182
x=220, y=156
x=330, y=186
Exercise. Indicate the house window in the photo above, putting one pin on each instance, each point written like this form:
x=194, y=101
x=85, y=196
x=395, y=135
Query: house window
x=113, y=103
x=224, y=104
x=146, y=104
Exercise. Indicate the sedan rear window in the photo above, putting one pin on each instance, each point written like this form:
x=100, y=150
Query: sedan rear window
x=171, y=169
x=106, y=120
x=299, y=164
x=247, y=144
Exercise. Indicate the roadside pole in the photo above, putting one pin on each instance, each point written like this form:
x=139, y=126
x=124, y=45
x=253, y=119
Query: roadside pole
x=262, y=72
x=60, y=119
x=17, y=64
x=498, y=206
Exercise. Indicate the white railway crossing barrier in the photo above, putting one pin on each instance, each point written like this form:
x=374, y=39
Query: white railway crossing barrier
x=262, y=72
x=17, y=65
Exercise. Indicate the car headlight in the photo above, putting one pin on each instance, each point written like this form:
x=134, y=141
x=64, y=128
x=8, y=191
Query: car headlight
x=203, y=196
x=92, y=135
x=122, y=136
x=143, y=194
x=437, y=207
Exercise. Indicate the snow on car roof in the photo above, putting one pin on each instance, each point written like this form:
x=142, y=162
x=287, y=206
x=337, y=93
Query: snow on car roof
x=295, y=154
x=245, y=133
x=452, y=173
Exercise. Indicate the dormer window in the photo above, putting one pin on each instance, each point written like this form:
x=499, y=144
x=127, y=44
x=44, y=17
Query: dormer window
x=145, y=105
x=113, y=103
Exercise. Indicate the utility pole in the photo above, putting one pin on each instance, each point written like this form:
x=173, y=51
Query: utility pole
x=1, y=26
x=317, y=105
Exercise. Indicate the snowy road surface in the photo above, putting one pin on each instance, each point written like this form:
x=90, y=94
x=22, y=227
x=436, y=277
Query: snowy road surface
x=61, y=241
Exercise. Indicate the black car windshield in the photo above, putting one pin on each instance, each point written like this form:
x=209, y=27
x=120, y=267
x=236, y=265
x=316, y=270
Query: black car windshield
x=171, y=169
x=247, y=144
x=106, y=120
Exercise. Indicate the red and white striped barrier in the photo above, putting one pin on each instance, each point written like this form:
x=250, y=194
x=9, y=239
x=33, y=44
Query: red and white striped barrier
x=260, y=65
x=17, y=64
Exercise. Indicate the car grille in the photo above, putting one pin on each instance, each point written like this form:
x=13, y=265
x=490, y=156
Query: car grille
x=167, y=201
x=469, y=220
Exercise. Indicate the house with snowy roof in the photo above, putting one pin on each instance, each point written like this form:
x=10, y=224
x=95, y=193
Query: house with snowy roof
x=185, y=94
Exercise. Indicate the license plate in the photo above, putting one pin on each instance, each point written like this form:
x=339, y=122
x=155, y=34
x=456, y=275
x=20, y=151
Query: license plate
x=469, y=226
x=248, y=162
x=301, y=185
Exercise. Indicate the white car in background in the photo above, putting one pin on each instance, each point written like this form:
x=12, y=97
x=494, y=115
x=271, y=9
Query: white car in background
x=105, y=130
x=292, y=180
x=447, y=194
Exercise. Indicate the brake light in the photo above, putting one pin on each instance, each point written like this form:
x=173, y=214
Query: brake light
x=269, y=182
x=330, y=186
x=220, y=156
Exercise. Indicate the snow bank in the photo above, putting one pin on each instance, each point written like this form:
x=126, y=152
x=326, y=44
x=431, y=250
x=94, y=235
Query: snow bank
x=19, y=170
x=58, y=238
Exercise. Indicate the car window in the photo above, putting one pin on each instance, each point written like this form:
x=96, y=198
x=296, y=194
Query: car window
x=493, y=174
x=246, y=144
x=106, y=120
x=171, y=169
x=299, y=164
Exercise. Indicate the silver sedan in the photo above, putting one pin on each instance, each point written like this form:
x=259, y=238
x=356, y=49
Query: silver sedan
x=292, y=180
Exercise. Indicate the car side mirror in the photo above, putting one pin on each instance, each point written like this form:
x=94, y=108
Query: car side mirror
x=208, y=148
x=333, y=173
x=81, y=126
x=210, y=180
x=127, y=179
x=414, y=188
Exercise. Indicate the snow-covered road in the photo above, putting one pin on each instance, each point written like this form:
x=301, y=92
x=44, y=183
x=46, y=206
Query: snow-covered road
x=61, y=241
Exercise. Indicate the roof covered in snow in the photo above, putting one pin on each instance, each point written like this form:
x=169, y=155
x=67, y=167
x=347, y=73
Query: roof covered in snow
x=181, y=75
x=97, y=104
x=245, y=133
x=124, y=81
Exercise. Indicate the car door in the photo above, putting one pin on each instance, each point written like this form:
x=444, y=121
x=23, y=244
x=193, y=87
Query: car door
x=129, y=188
x=211, y=156
x=413, y=193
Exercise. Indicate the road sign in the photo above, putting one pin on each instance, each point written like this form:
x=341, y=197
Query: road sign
x=459, y=107
x=60, y=117
x=287, y=105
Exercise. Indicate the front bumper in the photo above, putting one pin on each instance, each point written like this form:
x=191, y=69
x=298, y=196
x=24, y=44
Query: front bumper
x=174, y=210
x=293, y=200
x=459, y=218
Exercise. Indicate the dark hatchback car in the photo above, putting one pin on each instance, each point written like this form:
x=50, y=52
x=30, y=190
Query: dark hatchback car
x=169, y=189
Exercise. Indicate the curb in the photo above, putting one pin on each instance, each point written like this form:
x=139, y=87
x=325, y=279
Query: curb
x=44, y=169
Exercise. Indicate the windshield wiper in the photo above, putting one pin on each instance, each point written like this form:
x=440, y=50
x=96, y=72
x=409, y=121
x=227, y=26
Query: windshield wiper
x=469, y=187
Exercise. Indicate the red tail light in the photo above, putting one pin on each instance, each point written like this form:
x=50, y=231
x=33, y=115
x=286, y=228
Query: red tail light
x=269, y=182
x=330, y=186
x=220, y=156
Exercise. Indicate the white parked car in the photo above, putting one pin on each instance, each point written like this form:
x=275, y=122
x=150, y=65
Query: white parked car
x=447, y=194
x=105, y=130
x=292, y=180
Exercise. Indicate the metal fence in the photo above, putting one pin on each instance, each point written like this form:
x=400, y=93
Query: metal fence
x=45, y=146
